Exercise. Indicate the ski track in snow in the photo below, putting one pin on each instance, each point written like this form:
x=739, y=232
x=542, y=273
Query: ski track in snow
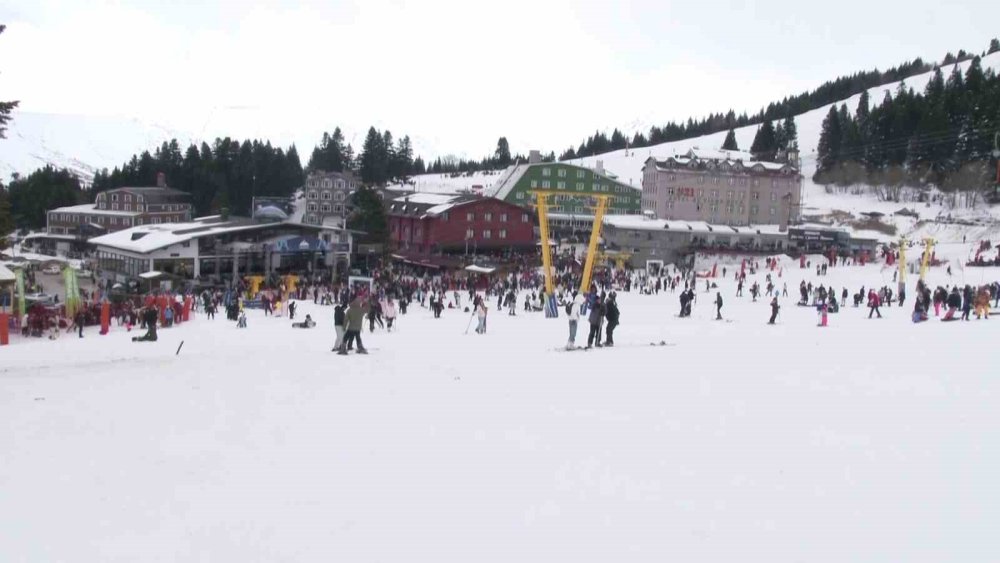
x=869, y=440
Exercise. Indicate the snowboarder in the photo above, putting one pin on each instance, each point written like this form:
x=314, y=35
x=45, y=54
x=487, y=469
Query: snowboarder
x=774, y=310
x=306, y=323
x=718, y=306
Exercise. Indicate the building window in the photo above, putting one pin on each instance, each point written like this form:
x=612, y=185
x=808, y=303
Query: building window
x=561, y=185
x=114, y=220
x=580, y=174
x=546, y=184
x=340, y=196
x=730, y=194
x=128, y=207
x=534, y=183
x=312, y=195
x=325, y=208
x=562, y=174
x=524, y=217
x=312, y=207
x=773, y=212
x=114, y=197
x=503, y=233
x=546, y=172
x=774, y=196
x=469, y=234
x=755, y=195
x=579, y=186
x=520, y=195
x=470, y=217
x=503, y=217
x=487, y=234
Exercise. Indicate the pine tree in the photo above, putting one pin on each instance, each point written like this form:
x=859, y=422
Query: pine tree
x=730, y=143
x=828, y=150
x=501, y=156
x=6, y=217
x=791, y=134
x=994, y=46
x=765, y=143
x=373, y=159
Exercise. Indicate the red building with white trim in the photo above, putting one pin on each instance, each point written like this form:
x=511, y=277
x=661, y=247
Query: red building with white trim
x=427, y=223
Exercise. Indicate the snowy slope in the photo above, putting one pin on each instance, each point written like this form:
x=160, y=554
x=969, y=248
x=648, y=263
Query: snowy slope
x=83, y=144
x=627, y=164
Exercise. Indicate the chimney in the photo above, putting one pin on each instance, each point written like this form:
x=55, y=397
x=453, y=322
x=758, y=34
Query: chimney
x=600, y=167
x=534, y=157
x=161, y=180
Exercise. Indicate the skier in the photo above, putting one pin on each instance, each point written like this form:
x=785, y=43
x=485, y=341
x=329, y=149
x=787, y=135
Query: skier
x=718, y=306
x=612, y=314
x=338, y=326
x=481, y=317
x=774, y=310
x=306, y=323
x=355, y=322
x=573, y=314
x=291, y=310
x=596, y=319
x=389, y=310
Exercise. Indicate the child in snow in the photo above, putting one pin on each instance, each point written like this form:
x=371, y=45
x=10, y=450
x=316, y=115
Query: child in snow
x=242, y=321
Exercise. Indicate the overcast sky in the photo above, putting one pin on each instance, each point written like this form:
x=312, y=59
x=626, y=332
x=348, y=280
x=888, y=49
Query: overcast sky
x=455, y=75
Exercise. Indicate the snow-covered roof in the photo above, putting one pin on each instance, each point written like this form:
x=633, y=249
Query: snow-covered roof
x=719, y=154
x=6, y=274
x=91, y=208
x=147, y=238
x=43, y=236
x=425, y=198
x=639, y=222
x=439, y=209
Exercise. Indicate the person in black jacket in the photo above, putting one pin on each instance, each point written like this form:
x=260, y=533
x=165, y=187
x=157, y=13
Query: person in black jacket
x=967, y=297
x=611, y=313
x=339, y=319
x=718, y=305
x=774, y=310
x=596, y=318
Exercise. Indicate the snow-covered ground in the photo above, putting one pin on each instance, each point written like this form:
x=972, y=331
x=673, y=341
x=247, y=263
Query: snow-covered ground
x=868, y=440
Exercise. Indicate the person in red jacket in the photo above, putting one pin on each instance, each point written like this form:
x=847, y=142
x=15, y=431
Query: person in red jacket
x=873, y=304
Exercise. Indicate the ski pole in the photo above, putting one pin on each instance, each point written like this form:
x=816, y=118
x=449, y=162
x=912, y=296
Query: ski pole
x=470, y=321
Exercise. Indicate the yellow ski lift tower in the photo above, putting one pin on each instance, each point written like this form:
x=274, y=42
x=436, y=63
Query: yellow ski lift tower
x=926, y=261
x=541, y=198
x=902, y=260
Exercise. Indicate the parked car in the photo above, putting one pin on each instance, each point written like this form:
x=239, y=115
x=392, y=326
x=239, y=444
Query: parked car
x=51, y=269
x=84, y=273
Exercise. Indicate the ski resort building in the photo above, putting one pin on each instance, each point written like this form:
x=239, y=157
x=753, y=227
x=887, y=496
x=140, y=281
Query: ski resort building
x=425, y=223
x=669, y=241
x=517, y=183
x=220, y=248
x=722, y=187
x=119, y=209
x=328, y=195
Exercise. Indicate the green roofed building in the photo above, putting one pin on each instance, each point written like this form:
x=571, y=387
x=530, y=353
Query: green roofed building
x=519, y=180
